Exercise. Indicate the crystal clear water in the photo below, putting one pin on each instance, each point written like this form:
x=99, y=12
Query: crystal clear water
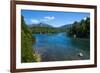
x=61, y=47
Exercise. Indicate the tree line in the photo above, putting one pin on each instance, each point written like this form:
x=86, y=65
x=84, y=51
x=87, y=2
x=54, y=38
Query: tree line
x=80, y=29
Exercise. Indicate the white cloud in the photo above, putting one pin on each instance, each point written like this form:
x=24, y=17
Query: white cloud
x=49, y=17
x=44, y=19
x=34, y=21
x=85, y=18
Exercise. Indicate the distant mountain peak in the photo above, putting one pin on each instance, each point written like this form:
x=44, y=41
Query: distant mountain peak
x=41, y=24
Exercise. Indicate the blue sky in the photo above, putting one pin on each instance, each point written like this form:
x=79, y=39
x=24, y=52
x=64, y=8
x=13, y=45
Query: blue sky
x=56, y=19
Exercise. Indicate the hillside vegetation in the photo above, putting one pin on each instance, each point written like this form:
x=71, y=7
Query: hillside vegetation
x=27, y=52
x=80, y=29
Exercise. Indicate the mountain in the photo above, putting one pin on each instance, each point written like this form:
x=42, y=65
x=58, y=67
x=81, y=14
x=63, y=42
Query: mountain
x=41, y=24
x=66, y=26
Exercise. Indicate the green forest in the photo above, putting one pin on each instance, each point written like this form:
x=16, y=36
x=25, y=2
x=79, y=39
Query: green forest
x=80, y=29
x=27, y=51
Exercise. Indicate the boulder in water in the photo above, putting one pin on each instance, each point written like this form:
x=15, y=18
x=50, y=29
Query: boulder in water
x=80, y=54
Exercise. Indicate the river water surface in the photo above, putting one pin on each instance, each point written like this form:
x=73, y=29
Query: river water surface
x=61, y=47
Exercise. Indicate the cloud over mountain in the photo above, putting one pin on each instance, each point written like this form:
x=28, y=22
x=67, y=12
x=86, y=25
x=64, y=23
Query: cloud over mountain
x=34, y=21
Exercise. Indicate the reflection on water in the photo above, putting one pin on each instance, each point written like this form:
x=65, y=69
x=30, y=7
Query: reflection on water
x=60, y=47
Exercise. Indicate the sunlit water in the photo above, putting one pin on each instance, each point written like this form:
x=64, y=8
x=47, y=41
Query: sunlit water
x=60, y=47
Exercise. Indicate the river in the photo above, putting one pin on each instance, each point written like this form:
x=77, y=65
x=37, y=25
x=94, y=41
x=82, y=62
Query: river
x=61, y=47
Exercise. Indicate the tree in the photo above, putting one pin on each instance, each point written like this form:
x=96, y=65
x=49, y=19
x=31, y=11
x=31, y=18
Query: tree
x=80, y=29
x=27, y=52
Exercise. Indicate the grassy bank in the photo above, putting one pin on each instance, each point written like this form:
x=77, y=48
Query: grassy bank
x=27, y=51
